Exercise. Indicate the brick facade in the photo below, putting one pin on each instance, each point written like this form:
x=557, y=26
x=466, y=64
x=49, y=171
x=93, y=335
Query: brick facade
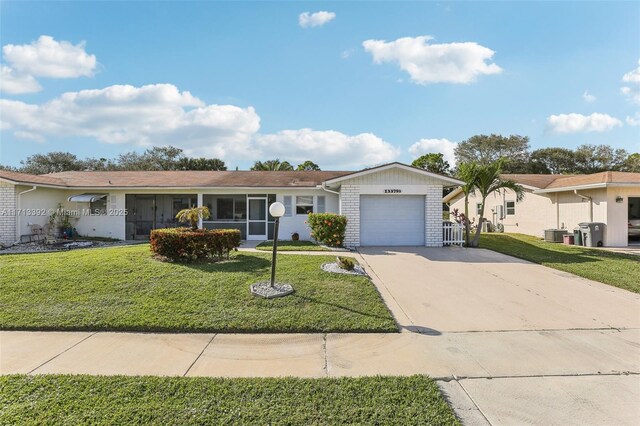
x=7, y=213
x=433, y=216
x=350, y=207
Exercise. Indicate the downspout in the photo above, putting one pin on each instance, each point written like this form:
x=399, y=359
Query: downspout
x=18, y=211
x=584, y=197
x=333, y=192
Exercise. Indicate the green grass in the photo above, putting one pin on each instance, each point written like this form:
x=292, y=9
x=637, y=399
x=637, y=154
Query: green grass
x=55, y=399
x=615, y=269
x=125, y=289
x=291, y=246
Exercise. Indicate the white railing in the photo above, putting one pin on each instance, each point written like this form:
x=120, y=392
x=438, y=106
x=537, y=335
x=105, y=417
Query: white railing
x=452, y=234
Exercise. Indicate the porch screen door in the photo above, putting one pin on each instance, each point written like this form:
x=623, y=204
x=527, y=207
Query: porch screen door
x=257, y=218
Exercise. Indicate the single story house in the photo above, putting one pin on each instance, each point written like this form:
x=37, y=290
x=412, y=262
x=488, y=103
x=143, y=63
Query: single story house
x=562, y=202
x=393, y=204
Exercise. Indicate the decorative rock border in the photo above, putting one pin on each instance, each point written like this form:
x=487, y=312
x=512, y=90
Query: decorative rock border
x=335, y=269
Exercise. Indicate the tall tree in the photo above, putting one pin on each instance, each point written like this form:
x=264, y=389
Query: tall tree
x=308, y=166
x=632, y=163
x=552, y=160
x=52, y=162
x=156, y=158
x=599, y=158
x=486, y=181
x=434, y=163
x=188, y=163
x=467, y=172
x=486, y=149
x=272, y=165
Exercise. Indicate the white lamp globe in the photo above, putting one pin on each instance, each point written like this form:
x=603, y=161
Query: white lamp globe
x=276, y=209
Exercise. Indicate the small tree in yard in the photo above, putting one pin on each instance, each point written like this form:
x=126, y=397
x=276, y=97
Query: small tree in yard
x=193, y=216
x=487, y=180
x=467, y=173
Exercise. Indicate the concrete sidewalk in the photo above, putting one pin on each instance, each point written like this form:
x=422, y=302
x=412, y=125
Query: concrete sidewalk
x=448, y=355
x=513, y=377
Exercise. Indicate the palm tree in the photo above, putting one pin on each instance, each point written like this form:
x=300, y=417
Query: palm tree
x=193, y=215
x=486, y=181
x=467, y=172
x=272, y=165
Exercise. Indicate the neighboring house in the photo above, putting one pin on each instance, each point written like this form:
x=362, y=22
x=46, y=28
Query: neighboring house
x=562, y=202
x=393, y=204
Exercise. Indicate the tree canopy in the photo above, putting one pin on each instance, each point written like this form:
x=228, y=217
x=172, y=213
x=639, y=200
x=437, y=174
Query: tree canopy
x=308, y=166
x=272, y=165
x=156, y=158
x=434, y=163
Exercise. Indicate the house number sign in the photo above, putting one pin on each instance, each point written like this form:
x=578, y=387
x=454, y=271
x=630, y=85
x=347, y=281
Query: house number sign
x=393, y=191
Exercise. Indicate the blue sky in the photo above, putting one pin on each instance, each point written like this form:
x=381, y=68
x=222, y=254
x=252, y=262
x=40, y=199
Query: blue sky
x=261, y=86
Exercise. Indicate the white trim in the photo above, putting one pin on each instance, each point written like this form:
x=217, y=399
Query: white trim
x=393, y=166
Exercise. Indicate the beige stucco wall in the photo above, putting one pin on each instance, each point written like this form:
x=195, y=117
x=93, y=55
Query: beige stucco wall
x=618, y=214
x=563, y=210
x=533, y=214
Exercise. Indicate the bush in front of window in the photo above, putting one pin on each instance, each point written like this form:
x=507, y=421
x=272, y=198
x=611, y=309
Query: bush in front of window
x=187, y=245
x=327, y=228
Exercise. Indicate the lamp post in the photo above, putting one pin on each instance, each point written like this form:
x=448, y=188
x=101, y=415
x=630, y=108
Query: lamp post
x=271, y=289
x=277, y=211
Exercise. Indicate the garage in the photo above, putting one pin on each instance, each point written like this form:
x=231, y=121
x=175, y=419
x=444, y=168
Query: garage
x=392, y=220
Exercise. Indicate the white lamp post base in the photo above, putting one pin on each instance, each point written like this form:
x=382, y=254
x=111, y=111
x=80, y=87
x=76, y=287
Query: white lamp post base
x=264, y=289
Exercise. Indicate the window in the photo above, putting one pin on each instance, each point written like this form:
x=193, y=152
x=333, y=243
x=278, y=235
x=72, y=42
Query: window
x=287, y=205
x=321, y=204
x=511, y=207
x=224, y=208
x=478, y=208
x=304, y=204
x=98, y=206
x=183, y=203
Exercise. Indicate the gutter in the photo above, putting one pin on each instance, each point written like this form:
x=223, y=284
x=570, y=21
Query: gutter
x=18, y=211
x=584, y=197
x=333, y=192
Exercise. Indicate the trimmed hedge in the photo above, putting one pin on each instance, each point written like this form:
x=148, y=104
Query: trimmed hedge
x=328, y=228
x=186, y=245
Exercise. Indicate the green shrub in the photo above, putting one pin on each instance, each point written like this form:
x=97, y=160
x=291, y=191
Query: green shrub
x=186, y=245
x=327, y=228
x=346, y=263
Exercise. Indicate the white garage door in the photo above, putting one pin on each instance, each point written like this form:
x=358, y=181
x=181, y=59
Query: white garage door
x=392, y=220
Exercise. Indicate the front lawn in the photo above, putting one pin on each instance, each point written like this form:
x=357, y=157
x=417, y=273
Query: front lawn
x=616, y=269
x=125, y=289
x=56, y=399
x=291, y=246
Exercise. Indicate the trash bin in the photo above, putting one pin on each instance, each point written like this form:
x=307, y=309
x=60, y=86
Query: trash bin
x=577, y=237
x=568, y=239
x=592, y=234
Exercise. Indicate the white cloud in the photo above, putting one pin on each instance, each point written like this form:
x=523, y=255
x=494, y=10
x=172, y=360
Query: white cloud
x=316, y=19
x=574, y=123
x=633, y=121
x=632, y=90
x=329, y=148
x=14, y=83
x=434, y=63
x=588, y=97
x=47, y=57
x=144, y=116
x=437, y=146
x=632, y=76
x=158, y=115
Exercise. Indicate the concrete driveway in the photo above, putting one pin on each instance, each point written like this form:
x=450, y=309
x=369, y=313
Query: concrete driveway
x=514, y=319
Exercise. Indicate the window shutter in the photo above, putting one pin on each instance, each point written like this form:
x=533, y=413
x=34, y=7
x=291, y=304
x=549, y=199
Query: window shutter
x=321, y=201
x=287, y=205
